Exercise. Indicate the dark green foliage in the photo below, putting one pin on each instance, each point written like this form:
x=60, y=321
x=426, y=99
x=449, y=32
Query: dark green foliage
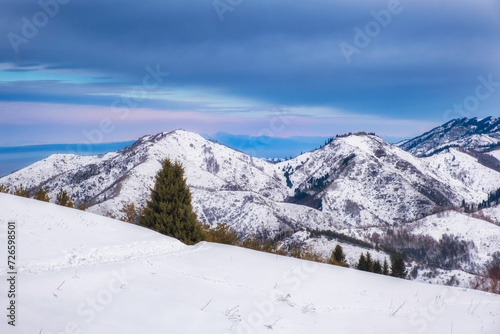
x=493, y=199
x=64, y=199
x=385, y=268
x=362, y=264
x=300, y=194
x=289, y=183
x=287, y=174
x=328, y=141
x=365, y=262
x=169, y=211
x=377, y=267
x=339, y=236
x=369, y=262
x=338, y=257
x=398, y=268
x=447, y=253
x=346, y=160
x=42, y=195
x=317, y=183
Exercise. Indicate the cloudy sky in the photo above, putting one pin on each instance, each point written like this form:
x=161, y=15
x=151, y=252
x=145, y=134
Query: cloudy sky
x=101, y=71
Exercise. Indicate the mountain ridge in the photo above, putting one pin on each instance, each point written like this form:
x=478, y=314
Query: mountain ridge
x=350, y=181
x=472, y=133
x=357, y=184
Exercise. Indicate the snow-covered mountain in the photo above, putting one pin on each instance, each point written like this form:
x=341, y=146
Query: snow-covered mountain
x=83, y=273
x=358, y=185
x=471, y=133
x=358, y=180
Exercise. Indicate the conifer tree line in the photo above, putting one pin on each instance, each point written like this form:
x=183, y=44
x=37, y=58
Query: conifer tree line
x=493, y=199
x=397, y=268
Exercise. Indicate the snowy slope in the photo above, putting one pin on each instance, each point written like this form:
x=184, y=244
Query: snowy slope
x=454, y=165
x=485, y=235
x=472, y=133
x=371, y=182
x=495, y=154
x=79, y=272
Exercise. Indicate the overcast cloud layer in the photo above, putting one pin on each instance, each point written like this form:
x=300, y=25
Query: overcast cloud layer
x=73, y=71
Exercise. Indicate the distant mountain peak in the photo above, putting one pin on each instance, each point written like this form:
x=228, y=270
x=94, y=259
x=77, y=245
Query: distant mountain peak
x=471, y=133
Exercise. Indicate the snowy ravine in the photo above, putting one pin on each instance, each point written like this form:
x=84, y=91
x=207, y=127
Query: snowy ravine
x=83, y=273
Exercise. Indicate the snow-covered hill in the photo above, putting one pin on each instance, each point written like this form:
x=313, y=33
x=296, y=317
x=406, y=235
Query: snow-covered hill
x=370, y=182
x=456, y=167
x=472, y=133
x=359, y=180
x=83, y=273
x=357, y=185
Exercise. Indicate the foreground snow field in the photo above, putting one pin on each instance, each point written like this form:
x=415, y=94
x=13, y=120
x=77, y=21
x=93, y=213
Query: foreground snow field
x=83, y=273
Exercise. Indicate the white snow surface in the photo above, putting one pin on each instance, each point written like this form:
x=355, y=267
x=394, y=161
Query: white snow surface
x=495, y=154
x=83, y=273
x=464, y=171
x=485, y=235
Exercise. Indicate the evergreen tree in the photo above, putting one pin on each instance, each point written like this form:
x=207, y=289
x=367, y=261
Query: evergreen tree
x=385, y=268
x=369, y=262
x=338, y=257
x=64, y=199
x=377, y=268
x=169, y=211
x=398, y=268
x=362, y=264
x=42, y=195
x=4, y=189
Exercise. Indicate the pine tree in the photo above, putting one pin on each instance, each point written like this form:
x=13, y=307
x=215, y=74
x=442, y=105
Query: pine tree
x=64, y=199
x=169, y=211
x=338, y=257
x=377, y=268
x=369, y=262
x=398, y=268
x=42, y=195
x=362, y=264
x=385, y=268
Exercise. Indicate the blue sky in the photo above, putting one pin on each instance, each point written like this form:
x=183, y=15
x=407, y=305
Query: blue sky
x=106, y=71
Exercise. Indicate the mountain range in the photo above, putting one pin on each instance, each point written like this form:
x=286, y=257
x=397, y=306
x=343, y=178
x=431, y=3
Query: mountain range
x=357, y=184
x=470, y=133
